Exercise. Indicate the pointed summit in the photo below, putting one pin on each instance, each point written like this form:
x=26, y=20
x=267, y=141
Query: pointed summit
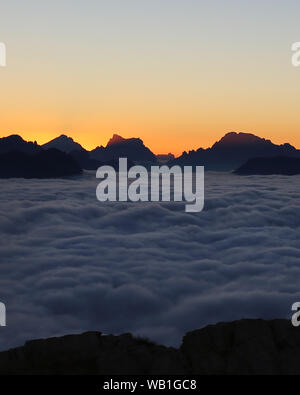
x=233, y=138
x=232, y=150
x=15, y=142
x=64, y=144
x=118, y=147
x=116, y=139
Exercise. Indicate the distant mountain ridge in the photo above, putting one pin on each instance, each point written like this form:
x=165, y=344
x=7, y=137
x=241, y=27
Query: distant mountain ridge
x=50, y=163
x=228, y=154
x=15, y=142
x=131, y=148
x=283, y=165
x=59, y=157
x=116, y=139
x=63, y=143
x=232, y=151
x=165, y=158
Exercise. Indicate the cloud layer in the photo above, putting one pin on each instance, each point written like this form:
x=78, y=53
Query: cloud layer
x=70, y=263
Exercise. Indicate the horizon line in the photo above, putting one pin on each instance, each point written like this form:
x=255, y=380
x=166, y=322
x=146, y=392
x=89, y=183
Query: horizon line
x=128, y=138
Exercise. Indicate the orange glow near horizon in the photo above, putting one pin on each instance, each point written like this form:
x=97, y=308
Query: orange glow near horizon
x=157, y=146
x=177, y=74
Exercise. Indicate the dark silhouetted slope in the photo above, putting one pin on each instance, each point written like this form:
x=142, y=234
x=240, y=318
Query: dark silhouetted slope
x=118, y=147
x=16, y=143
x=63, y=143
x=45, y=164
x=165, y=158
x=275, y=165
x=248, y=347
x=84, y=160
x=233, y=150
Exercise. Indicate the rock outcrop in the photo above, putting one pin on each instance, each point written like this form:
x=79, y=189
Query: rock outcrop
x=92, y=353
x=241, y=347
x=244, y=347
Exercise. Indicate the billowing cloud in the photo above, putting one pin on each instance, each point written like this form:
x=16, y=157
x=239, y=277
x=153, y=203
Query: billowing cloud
x=70, y=263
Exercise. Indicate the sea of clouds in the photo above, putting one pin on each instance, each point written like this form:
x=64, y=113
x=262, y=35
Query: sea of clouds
x=69, y=263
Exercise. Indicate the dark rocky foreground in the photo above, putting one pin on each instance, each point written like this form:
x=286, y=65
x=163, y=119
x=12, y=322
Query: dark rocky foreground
x=241, y=347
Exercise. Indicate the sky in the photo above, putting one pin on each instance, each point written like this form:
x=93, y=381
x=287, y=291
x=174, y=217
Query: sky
x=177, y=73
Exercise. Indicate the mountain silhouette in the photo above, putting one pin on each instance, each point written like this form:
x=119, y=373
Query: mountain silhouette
x=233, y=150
x=118, y=147
x=116, y=139
x=13, y=162
x=50, y=163
x=273, y=165
x=16, y=143
x=228, y=154
x=84, y=160
x=82, y=157
x=77, y=152
x=63, y=143
x=165, y=158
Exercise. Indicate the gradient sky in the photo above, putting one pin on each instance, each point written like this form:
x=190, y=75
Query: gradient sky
x=177, y=73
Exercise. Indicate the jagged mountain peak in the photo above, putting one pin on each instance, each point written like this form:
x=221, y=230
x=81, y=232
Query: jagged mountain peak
x=15, y=142
x=233, y=138
x=131, y=148
x=116, y=139
x=63, y=143
x=64, y=137
x=13, y=138
x=234, y=149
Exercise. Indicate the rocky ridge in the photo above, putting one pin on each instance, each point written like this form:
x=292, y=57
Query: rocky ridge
x=241, y=347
